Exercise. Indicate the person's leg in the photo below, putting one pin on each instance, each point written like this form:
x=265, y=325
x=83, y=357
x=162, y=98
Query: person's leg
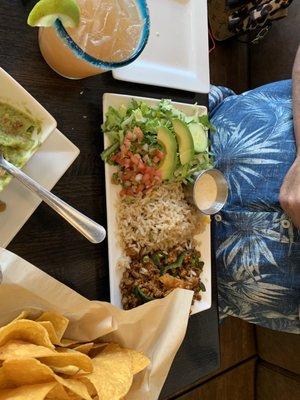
x=216, y=95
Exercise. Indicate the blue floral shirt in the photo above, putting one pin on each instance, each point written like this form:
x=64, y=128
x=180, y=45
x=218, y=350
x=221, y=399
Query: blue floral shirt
x=257, y=246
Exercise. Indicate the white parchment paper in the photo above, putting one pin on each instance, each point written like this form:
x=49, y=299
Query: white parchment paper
x=157, y=328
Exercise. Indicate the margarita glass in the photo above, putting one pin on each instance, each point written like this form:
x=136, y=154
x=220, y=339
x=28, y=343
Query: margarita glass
x=111, y=34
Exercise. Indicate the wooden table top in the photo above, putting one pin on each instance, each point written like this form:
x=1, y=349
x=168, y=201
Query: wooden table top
x=46, y=240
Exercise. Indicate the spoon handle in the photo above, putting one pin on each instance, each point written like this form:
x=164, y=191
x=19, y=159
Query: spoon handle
x=94, y=232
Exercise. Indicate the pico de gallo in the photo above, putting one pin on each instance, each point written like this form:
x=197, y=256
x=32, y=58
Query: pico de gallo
x=138, y=164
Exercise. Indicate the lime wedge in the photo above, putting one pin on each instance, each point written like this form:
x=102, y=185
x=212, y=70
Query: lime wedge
x=46, y=12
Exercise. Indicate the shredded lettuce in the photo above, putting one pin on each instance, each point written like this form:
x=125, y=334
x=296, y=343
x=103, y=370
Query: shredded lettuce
x=204, y=120
x=149, y=118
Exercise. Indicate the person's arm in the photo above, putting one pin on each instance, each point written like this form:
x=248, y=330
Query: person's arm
x=296, y=99
x=290, y=191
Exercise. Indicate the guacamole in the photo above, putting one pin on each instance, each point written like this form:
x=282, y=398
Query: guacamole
x=18, y=137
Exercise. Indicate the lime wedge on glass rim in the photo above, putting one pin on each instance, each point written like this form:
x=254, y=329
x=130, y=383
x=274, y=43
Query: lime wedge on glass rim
x=46, y=12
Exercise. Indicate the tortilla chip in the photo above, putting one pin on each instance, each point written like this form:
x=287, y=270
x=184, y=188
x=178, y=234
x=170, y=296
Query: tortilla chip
x=84, y=348
x=68, y=370
x=26, y=371
x=76, y=359
x=4, y=384
x=51, y=331
x=29, y=392
x=29, y=371
x=112, y=377
x=19, y=349
x=115, y=349
x=97, y=348
x=73, y=396
x=90, y=387
x=58, y=393
x=100, y=345
x=27, y=331
x=59, y=322
x=22, y=315
x=138, y=361
x=65, y=350
x=75, y=386
x=67, y=342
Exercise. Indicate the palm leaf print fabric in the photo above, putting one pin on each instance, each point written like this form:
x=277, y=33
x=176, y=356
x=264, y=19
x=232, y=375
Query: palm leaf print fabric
x=257, y=246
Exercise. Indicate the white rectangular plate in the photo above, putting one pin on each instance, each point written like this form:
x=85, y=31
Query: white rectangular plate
x=176, y=55
x=114, y=249
x=46, y=166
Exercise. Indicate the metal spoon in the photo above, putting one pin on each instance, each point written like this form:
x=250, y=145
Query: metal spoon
x=94, y=232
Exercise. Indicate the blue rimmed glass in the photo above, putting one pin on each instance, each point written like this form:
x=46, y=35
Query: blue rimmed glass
x=53, y=54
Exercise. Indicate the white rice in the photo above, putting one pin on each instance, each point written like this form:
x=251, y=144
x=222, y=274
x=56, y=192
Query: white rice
x=158, y=221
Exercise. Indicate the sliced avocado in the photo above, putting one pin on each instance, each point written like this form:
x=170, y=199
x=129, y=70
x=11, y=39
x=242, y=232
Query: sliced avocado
x=200, y=137
x=168, y=141
x=185, y=141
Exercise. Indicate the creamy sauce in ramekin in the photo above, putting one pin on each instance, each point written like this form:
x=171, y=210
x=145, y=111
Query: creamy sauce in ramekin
x=205, y=192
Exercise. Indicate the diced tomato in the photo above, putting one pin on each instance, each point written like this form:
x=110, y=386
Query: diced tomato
x=141, y=167
x=146, y=178
x=126, y=163
x=135, y=159
x=129, y=136
x=138, y=133
x=150, y=170
x=129, y=175
x=126, y=144
x=159, y=154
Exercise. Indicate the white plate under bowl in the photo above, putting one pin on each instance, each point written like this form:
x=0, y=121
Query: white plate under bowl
x=46, y=166
x=114, y=249
x=176, y=55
